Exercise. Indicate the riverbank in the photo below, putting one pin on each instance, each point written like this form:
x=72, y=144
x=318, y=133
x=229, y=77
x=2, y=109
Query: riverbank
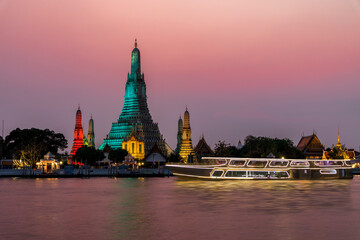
x=85, y=173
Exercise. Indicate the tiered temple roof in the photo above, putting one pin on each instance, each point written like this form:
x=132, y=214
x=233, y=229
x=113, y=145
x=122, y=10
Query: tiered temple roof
x=91, y=133
x=134, y=145
x=78, y=133
x=186, y=149
x=179, y=135
x=311, y=146
x=135, y=111
x=202, y=148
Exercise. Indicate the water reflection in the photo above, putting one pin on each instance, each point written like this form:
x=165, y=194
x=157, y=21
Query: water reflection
x=178, y=208
x=274, y=196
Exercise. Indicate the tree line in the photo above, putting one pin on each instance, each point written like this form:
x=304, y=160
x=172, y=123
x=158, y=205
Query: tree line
x=260, y=147
x=30, y=145
x=254, y=147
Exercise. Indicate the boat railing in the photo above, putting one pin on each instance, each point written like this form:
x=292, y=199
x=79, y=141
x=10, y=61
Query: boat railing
x=197, y=163
x=299, y=163
x=279, y=163
x=328, y=163
x=268, y=162
x=253, y=174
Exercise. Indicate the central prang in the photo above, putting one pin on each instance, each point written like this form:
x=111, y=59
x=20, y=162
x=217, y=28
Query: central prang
x=135, y=113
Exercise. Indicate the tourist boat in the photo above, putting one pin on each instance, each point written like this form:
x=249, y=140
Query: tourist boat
x=263, y=168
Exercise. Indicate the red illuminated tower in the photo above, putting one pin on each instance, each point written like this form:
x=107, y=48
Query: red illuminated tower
x=78, y=134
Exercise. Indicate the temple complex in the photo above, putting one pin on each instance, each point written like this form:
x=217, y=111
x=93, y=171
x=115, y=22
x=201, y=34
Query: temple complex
x=134, y=145
x=91, y=133
x=135, y=111
x=78, y=133
x=311, y=146
x=338, y=151
x=239, y=146
x=179, y=135
x=186, y=148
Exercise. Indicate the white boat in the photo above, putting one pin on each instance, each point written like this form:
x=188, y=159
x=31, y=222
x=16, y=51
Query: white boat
x=264, y=168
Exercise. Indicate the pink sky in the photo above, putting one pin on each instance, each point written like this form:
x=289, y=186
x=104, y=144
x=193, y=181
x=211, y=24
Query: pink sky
x=267, y=68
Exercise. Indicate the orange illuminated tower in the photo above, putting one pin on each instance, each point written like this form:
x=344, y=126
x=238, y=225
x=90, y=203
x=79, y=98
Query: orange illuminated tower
x=78, y=134
x=186, y=148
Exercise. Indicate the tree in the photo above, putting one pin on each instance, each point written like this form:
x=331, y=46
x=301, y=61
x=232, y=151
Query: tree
x=263, y=146
x=30, y=145
x=225, y=149
x=88, y=155
x=118, y=155
x=174, y=157
x=338, y=152
x=1, y=147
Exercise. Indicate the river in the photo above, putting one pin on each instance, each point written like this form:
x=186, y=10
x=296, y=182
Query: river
x=178, y=208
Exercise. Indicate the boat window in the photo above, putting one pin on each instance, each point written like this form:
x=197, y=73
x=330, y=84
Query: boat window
x=277, y=163
x=213, y=161
x=231, y=173
x=328, y=163
x=333, y=171
x=257, y=163
x=237, y=162
x=348, y=163
x=281, y=174
x=300, y=164
x=217, y=173
x=221, y=161
x=258, y=174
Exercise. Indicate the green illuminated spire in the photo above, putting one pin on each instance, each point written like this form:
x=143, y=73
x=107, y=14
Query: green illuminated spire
x=179, y=135
x=135, y=112
x=135, y=63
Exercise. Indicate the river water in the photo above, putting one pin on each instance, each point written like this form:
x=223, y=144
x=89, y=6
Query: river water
x=178, y=208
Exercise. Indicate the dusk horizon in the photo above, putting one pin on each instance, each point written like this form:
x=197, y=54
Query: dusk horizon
x=279, y=69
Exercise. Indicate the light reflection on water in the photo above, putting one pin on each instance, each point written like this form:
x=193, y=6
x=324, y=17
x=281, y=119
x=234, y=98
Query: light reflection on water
x=178, y=208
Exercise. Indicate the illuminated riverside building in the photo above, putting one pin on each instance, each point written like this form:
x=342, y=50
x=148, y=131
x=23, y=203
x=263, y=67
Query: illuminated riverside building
x=135, y=111
x=78, y=133
x=311, y=146
x=91, y=133
x=134, y=145
x=339, y=151
x=186, y=148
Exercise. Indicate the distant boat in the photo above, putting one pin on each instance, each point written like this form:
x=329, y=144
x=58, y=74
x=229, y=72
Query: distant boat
x=264, y=168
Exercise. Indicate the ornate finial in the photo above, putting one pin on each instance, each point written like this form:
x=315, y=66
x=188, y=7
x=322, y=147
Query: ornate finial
x=79, y=106
x=91, y=115
x=338, y=144
x=133, y=130
x=135, y=43
x=186, y=108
